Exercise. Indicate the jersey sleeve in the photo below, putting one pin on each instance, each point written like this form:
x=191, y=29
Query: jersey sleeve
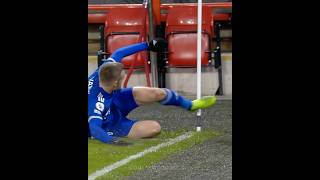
x=120, y=53
x=95, y=109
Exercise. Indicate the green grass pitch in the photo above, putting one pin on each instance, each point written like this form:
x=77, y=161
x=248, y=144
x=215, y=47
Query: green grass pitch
x=101, y=155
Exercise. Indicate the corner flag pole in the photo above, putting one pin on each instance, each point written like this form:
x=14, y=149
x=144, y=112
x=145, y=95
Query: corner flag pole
x=199, y=32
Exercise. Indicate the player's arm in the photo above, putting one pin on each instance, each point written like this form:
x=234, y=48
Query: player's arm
x=156, y=45
x=95, y=122
x=97, y=132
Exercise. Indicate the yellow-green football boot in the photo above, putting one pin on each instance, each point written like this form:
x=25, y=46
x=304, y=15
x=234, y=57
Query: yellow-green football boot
x=204, y=102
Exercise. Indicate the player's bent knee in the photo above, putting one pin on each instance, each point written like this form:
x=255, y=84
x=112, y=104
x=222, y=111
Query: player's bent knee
x=156, y=128
x=145, y=129
x=159, y=94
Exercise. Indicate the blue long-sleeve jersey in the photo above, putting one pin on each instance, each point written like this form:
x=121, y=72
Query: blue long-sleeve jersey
x=101, y=111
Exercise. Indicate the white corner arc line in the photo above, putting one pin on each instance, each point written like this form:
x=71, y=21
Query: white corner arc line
x=122, y=162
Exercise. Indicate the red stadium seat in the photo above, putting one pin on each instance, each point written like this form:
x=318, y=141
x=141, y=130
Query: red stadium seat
x=125, y=26
x=183, y=50
x=181, y=33
x=115, y=41
x=99, y=18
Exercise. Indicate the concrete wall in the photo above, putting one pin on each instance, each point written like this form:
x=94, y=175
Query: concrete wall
x=183, y=80
x=92, y=64
x=227, y=74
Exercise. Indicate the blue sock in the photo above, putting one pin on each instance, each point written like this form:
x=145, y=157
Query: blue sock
x=175, y=99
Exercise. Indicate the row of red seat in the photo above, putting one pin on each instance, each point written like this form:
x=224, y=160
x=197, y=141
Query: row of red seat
x=124, y=26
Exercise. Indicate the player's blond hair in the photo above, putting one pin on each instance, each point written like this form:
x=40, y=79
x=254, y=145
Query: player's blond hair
x=110, y=72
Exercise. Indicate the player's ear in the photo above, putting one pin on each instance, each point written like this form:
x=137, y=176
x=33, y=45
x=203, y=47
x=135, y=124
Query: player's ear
x=115, y=83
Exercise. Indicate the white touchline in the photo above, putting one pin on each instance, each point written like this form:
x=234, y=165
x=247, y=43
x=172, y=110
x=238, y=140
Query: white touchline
x=117, y=164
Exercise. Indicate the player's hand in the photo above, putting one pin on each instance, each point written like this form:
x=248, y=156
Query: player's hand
x=157, y=45
x=119, y=142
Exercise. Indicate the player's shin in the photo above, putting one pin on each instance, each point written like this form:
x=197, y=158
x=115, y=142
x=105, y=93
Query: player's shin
x=173, y=98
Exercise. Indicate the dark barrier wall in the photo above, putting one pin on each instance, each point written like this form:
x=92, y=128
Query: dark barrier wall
x=141, y=1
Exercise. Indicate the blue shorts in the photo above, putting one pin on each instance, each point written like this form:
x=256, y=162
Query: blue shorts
x=122, y=128
x=124, y=102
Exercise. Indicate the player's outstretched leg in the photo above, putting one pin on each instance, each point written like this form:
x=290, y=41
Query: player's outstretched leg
x=145, y=95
